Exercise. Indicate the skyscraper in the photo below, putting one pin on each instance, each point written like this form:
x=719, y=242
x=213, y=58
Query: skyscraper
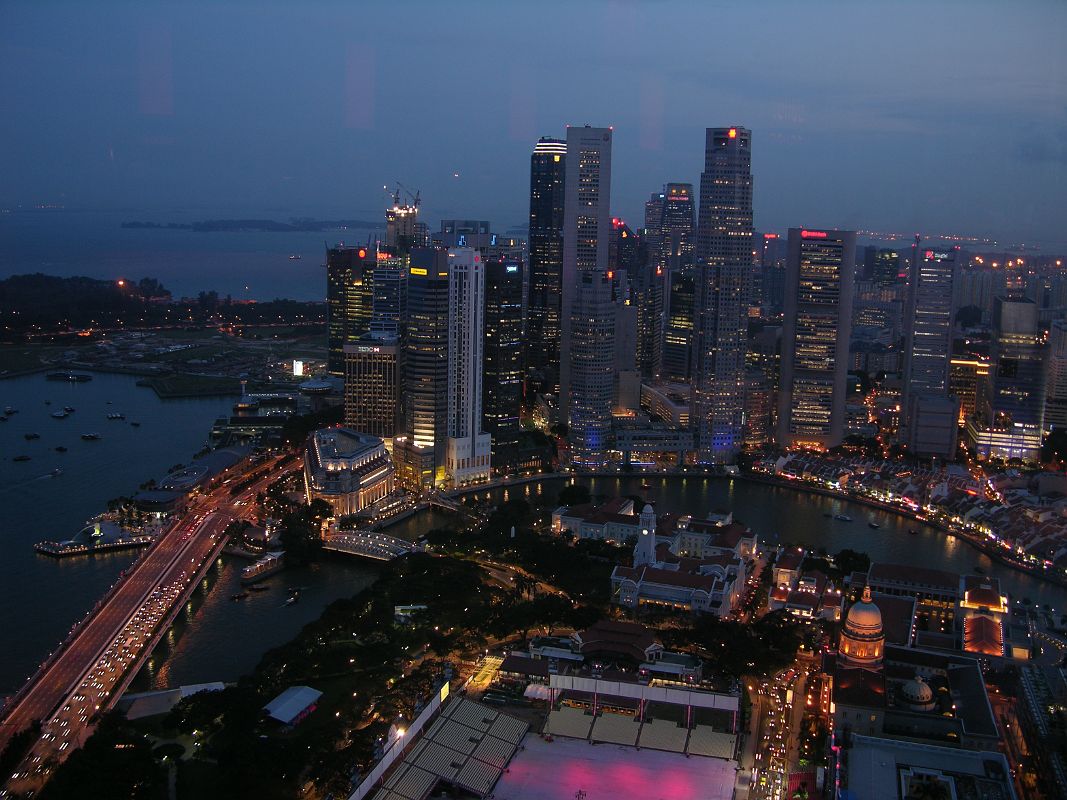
x=421, y=451
x=403, y=230
x=389, y=292
x=587, y=232
x=548, y=169
x=502, y=383
x=348, y=300
x=469, y=446
x=818, y=317
x=1056, y=377
x=592, y=378
x=676, y=228
x=1010, y=409
x=372, y=386
x=723, y=266
x=926, y=406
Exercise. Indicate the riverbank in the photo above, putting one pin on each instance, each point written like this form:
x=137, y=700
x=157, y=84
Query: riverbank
x=976, y=541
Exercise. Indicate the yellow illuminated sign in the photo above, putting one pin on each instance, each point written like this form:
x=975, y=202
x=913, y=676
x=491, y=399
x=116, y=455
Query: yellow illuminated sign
x=418, y=271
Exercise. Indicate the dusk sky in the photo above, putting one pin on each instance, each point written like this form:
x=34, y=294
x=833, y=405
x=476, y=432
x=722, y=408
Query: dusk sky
x=906, y=116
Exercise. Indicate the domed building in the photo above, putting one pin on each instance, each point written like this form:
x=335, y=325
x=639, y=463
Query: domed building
x=862, y=639
x=916, y=695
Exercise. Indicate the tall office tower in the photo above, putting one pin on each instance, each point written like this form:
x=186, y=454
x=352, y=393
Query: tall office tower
x=348, y=300
x=678, y=243
x=883, y=266
x=772, y=274
x=654, y=223
x=678, y=330
x=548, y=169
x=1010, y=408
x=815, y=335
x=586, y=233
x=723, y=266
x=389, y=293
x=420, y=451
x=759, y=395
x=929, y=422
x=1056, y=377
x=502, y=384
x=592, y=379
x=372, y=386
x=469, y=446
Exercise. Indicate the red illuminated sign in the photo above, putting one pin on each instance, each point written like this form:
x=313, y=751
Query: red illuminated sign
x=770, y=236
x=813, y=234
x=929, y=254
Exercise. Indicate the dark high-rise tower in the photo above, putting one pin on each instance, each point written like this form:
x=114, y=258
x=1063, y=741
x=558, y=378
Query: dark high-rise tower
x=502, y=378
x=676, y=227
x=723, y=267
x=547, y=181
x=349, y=296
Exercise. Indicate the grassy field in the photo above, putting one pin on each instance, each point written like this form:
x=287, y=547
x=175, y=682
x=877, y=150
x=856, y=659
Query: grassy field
x=15, y=358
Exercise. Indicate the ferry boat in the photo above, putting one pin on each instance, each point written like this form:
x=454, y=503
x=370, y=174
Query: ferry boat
x=60, y=414
x=9, y=410
x=91, y=437
x=75, y=377
x=913, y=532
x=239, y=596
x=116, y=416
x=69, y=409
x=57, y=472
x=873, y=525
x=61, y=449
x=292, y=600
x=264, y=567
x=21, y=458
x=295, y=257
x=31, y=436
x=843, y=517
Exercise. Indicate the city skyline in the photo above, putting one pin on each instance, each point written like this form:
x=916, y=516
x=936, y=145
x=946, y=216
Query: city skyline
x=986, y=143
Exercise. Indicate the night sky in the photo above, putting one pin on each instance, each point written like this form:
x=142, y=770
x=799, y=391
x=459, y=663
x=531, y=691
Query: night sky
x=905, y=116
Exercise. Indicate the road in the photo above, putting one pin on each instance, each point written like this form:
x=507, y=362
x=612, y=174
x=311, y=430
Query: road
x=110, y=646
x=779, y=705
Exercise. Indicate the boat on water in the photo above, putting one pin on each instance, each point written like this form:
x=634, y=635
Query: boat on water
x=259, y=588
x=263, y=568
x=913, y=532
x=9, y=410
x=60, y=415
x=873, y=525
x=116, y=416
x=61, y=449
x=31, y=436
x=843, y=517
x=57, y=472
x=295, y=257
x=293, y=599
x=21, y=458
x=69, y=409
x=74, y=377
x=3, y=419
x=136, y=424
x=239, y=596
x=91, y=437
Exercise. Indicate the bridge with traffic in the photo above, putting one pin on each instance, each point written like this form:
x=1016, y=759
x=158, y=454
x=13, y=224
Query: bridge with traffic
x=88, y=673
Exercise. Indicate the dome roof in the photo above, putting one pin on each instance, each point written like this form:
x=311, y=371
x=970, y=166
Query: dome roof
x=864, y=618
x=648, y=509
x=917, y=692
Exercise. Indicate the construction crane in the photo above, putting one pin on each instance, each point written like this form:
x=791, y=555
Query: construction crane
x=413, y=197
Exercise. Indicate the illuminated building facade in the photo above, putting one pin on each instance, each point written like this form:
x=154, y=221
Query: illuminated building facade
x=587, y=235
x=348, y=469
x=349, y=282
x=502, y=383
x=548, y=170
x=722, y=279
x=815, y=338
x=1010, y=408
x=469, y=446
x=1056, y=377
x=928, y=328
x=862, y=642
x=677, y=240
x=425, y=376
x=372, y=386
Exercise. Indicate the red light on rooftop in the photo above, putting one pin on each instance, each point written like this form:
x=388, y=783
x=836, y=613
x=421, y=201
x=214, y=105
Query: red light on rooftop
x=813, y=234
x=733, y=133
x=362, y=252
x=929, y=254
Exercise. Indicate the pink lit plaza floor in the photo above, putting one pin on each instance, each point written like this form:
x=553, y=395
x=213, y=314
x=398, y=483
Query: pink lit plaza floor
x=557, y=770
